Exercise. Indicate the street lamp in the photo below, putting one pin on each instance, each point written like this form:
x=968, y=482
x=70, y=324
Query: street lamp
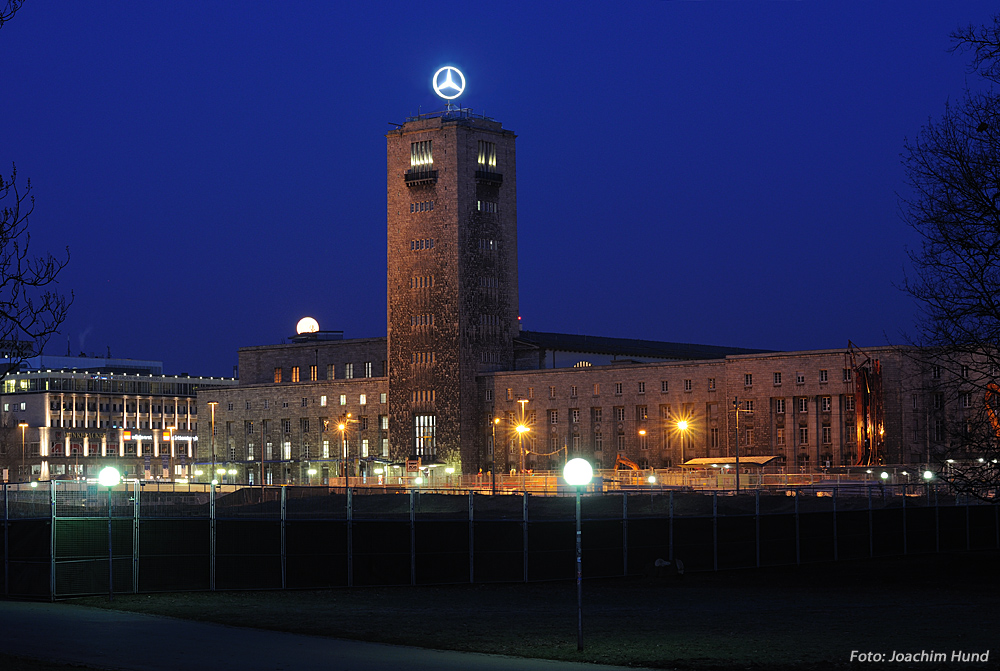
x=212, y=405
x=493, y=470
x=736, y=408
x=109, y=477
x=521, y=430
x=23, y=426
x=578, y=473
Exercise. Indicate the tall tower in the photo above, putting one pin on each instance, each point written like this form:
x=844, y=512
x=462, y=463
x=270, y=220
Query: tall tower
x=452, y=280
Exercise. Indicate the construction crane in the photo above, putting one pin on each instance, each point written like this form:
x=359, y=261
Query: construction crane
x=869, y=411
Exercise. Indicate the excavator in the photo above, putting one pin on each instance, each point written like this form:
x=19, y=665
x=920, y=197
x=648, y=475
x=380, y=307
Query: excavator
x=624, y=463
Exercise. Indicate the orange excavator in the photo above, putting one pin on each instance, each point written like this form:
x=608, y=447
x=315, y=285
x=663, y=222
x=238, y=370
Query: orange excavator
x=624, y=463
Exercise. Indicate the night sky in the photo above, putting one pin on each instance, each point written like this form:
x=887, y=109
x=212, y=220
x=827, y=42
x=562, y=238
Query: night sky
x=713, y=172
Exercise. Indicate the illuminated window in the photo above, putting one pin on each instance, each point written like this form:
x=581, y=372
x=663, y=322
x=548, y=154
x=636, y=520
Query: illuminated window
x=313, y=373
x=510, y=394
x=277, y=375
x=425, y=206
x=425, y=435
x=322, y=401
x=348, y=370
x=368, y=368
x=343, y=399
x=421, y=154
x=779, y=436
x=486, y=206
x=295, y=373
x=487, y=156
x=363, y=399
x=711, y=384
x=597, y=389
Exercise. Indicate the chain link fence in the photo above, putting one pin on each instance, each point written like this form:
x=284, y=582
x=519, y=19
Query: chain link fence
x=64, y=539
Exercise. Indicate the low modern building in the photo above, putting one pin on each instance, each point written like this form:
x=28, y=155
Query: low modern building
x=72, y=422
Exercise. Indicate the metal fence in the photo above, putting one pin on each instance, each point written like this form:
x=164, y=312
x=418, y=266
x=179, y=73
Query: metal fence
x=66, y=539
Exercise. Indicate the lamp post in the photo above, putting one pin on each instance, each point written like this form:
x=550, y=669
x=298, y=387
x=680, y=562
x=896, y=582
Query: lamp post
x=212, y=405
x=578, y=473
x=521, y=430
x=493, y=469
x=738, y=410
x=109, y=477
x=23, y=426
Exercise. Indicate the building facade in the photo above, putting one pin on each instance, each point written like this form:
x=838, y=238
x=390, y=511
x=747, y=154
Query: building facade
x=455, y=375
x=69, y=424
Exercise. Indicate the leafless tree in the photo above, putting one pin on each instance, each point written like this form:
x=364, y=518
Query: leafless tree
x=953, y=173
x=7, y=11
x=31, y=310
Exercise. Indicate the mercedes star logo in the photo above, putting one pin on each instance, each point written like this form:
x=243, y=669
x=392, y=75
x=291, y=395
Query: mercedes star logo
x=448, y=82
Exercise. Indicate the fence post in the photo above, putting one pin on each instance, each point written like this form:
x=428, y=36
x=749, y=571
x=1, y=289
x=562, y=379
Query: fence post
x=135, y=538
x=905, y=545
x=625, y=533
x=798, y=542
x=937, y=521
x=52, y=540
x=968, y=525
x=413, y=541
x=836, y=549
x=472, y=544
x=671, y=557
x=211, y=536
x=6, y=543
x=350, y=538
x=871, y=531
x=524, y=532
x=756, y=522
x=715, y=530
x=284, y=501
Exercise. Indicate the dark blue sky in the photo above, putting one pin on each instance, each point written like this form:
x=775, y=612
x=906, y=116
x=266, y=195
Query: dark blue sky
x=711, y=172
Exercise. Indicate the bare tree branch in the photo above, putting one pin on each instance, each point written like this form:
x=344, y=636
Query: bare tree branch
x=30, y=308
x=953, y=174
x=7, y=11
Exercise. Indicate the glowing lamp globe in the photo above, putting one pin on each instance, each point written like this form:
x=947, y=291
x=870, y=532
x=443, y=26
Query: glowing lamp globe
x=109, y=477
x=307, y=325
x=928, y=475
x=578, y=471
x=884, y=475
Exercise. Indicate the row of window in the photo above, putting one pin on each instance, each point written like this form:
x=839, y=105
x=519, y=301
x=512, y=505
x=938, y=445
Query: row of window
x=426, y=243
x=424, y=282
x=347, y=448
x=486, y=206
x=328, y=425
x=323, y=402
x=347, y=372
x=688, y=385
x=422, y=320
x=800, y=377
x=423, y=206
x=421, y=154
x=488, y=245
x=422, y=358
x=487, y=156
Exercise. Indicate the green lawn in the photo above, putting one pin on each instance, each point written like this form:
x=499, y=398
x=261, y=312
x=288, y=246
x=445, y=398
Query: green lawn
x=793, y=617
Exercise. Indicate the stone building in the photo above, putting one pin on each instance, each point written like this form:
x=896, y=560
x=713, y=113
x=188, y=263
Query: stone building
x=455, y=361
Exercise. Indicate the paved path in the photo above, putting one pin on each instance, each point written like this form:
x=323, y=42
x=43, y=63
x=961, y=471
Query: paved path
x=119, y=640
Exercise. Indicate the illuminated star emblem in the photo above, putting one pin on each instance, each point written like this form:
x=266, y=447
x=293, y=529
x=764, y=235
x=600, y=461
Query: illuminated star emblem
x=448, y=82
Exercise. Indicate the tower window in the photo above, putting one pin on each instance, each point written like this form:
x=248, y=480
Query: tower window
x=486, y=206
x=425, y=206
x=421, y=154
x=487, y=154
x=416, y=245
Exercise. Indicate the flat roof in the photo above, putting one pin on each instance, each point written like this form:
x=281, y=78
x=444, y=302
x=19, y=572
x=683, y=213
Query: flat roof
x=654, y=349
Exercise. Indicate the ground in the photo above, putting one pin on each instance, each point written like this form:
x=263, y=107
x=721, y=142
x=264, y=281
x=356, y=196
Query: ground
x=807, y=617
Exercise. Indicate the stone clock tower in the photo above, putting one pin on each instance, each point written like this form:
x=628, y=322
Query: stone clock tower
x=452, y=280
